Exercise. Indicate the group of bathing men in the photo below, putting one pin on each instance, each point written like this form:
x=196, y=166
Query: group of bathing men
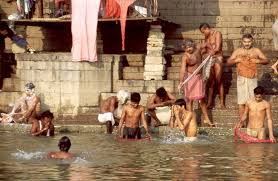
x=249, y=95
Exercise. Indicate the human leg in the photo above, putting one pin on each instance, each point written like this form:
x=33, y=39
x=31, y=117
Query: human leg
x=153, y=115
x=205, y=113
x=108, y=127
x=211, y=83
x=218, y=70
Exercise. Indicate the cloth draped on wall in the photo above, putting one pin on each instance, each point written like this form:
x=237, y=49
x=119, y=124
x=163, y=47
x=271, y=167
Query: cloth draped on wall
x=124, y=4
x=84, y=29
x=112, y=9
x=275, y=34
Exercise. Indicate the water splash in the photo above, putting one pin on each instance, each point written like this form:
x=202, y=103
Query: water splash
x=20, y=154
x=80, y=161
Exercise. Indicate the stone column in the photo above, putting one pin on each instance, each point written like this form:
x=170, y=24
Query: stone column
x=154, y=68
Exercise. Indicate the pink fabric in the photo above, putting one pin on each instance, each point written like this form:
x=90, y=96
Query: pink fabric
x=194, y=89
x=112, y=9
x=84, y=29
x=247, y=138
x=124, y=4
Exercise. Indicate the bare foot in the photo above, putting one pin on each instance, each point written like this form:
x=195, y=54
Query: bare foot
x=274, y=67
x=222, y=106
x=209, y=106
x=209, y=123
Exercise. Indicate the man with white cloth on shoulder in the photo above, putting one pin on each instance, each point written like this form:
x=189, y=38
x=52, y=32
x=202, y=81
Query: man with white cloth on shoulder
x=111, y=108
x=159, y=106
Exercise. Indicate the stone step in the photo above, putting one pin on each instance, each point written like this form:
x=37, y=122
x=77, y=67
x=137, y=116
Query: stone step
x=12, y=84
x=133, y=73
x=134, y=60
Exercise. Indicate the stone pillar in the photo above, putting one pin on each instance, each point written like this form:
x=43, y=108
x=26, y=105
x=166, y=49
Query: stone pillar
x=154, y=68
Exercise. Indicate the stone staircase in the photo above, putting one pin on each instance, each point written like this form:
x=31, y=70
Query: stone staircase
x=133, y=81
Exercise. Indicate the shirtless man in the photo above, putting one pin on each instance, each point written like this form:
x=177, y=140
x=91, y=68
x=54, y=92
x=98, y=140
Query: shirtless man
x=112, y=105
x=184, y=119
x=26, y=109
x=44, y=126
x=132, y=114
x=213, y=47
x=257, y=110
x=161, y=98
x=246, y=59
x=64, y=146
x=194, y=89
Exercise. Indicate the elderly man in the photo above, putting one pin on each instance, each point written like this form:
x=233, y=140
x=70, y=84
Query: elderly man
x=246, y=58
x=112, y=107
x=26, y=108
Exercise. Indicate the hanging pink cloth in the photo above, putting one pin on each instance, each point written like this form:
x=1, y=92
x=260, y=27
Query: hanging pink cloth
x=112, y=9
x=84, y=29
x=124, y=4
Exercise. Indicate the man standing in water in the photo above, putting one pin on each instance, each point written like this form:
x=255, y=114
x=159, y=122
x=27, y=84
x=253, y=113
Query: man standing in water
x=213, y=47
x=257, y=110
x=110, y=106
x=246, y=59
x=160, y=99
x=26, y=109
x=194, y=89
x=132, y=114
x=184, y=119
x=44, y=126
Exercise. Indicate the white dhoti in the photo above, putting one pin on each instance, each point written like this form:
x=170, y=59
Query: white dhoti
x=275, y=34
x=163, y=114
x=245, y=89
x=104, y=117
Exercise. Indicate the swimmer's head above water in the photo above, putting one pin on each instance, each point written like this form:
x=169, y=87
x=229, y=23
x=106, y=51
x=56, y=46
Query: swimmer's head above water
x=64, y=144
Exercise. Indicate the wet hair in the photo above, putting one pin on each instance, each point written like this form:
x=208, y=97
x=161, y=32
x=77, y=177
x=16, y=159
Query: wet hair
x=248, y=36
x=188, y=43
x=122, y=96
x=204, y=25
x=135, y=97
x=30, y=85
x=47, y=114
x=64, y=144
x=259, y=90
x=161, y=92
x=180, y=102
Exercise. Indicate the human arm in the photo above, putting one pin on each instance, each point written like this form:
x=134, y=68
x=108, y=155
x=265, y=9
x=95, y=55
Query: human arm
x=187, y=118
x=244, y=117
x=33, y=107
x=261, y=58
x=122, y=119
x=144, y=122
x=112, y=106
x=35, y=131
x=171, y=100
x=182, y=71
x=234, y=58
x=151, y=103
x=269, y=122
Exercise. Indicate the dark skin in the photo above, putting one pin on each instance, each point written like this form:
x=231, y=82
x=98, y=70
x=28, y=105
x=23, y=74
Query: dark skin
x=109, y=105
x=46, y=125
x=156, y=101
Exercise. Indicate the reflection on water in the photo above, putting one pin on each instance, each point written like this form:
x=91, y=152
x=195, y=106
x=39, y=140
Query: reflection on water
x=102, y=157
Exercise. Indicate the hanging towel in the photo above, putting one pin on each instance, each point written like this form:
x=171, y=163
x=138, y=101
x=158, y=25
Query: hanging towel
x=112, y=9
x=84, y=29
x=124, y=4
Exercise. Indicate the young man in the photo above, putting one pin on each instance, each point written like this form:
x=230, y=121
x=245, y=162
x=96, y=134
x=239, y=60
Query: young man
x=132, y=114
x=257, y=111
x=44, y=126
x=246, y=59
x=184, y=119
x=213, y=47
x=161, y=98
x=64, y=146
x=26, y=109
x=112, y=105
x=195, y=88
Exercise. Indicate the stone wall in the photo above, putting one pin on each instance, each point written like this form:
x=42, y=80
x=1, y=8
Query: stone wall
x=232, y=17
x=67, y=88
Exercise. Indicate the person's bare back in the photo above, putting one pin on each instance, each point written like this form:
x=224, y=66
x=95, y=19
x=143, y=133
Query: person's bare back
x=60, y=155
x=109, y=105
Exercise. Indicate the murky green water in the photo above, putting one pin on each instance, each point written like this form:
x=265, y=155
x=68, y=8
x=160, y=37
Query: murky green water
x=101, y=157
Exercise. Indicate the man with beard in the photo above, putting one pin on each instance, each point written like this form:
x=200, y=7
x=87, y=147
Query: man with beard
x=246, y=58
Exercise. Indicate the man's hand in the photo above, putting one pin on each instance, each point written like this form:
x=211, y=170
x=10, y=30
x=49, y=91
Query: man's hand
x=272, y=138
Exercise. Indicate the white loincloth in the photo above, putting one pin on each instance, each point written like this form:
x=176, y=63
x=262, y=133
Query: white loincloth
x=163, y=114
x=104, y=117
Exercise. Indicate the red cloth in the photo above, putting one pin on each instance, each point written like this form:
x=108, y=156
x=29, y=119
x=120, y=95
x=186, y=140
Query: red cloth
x=112, y=9
x=124, y=4
x=247, y=138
